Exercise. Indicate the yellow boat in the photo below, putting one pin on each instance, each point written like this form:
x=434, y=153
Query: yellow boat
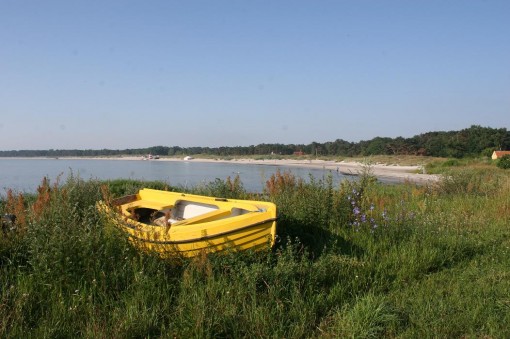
x=174, y=224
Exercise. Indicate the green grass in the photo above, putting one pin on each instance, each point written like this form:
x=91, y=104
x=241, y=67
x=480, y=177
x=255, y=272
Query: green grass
x=361, y=260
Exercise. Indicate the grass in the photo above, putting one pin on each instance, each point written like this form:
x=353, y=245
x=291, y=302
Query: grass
x=361, y=260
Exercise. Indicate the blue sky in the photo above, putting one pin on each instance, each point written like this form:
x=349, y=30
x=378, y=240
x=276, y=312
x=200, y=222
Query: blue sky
x=133, y=74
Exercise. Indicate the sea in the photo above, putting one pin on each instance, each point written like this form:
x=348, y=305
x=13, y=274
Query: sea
x=25, y=174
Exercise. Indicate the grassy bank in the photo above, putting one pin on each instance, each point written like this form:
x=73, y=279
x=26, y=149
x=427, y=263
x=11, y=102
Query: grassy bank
x=359, y=260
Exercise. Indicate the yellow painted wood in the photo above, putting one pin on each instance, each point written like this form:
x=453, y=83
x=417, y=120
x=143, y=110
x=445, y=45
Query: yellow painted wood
x=213, y=231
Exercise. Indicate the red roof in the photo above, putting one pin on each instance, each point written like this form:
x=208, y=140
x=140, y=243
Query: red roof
x=501, y=153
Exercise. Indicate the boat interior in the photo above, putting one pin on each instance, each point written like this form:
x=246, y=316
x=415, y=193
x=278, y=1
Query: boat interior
x=184, y=212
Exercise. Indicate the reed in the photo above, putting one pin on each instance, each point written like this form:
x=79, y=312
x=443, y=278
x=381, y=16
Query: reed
x=361, y=259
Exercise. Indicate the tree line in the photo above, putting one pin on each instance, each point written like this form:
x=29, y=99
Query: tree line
x=473, y=141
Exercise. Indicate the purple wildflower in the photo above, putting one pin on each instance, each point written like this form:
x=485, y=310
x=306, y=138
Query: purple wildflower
x=385, y=215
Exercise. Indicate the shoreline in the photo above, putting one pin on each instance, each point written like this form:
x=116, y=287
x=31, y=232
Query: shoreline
x=394, y=172
x=398, y=173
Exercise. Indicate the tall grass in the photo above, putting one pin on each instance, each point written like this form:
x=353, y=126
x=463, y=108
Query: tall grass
x=361, y=260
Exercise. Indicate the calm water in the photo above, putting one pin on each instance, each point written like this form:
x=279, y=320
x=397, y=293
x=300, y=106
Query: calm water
x=26, y=174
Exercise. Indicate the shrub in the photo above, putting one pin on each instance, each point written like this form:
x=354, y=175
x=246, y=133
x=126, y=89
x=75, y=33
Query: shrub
x=469, y=181
x=229, y=188
x=504, y=162
x=451, y=163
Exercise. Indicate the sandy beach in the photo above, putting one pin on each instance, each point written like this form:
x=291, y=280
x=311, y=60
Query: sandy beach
x=395, y=172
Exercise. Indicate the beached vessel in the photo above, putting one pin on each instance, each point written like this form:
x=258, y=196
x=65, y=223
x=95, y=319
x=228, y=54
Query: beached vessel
x=174, y=224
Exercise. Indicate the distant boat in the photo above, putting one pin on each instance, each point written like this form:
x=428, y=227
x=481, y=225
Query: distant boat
x=173, y=223
x=347, y=172
x=188, y=158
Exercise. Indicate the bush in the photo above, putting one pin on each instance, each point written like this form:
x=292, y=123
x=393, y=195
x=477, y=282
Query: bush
x=451, y=163
x=469, y=181
x=504, y=162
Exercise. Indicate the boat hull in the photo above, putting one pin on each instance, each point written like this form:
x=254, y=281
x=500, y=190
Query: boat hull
x=193, y=224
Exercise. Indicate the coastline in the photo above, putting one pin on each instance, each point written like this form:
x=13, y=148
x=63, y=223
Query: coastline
x=395, y=172
x=398, y=173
